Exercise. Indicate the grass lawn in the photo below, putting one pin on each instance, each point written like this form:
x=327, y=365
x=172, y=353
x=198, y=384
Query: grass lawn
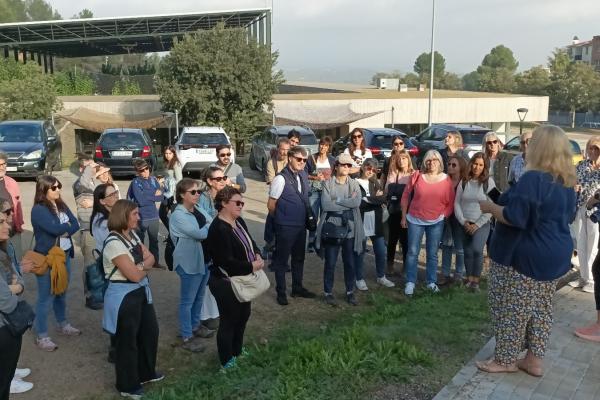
x=388, y=347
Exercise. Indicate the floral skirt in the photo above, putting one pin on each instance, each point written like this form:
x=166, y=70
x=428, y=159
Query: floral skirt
x=521, y=310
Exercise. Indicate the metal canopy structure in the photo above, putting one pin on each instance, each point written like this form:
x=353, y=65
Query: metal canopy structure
x=122, y=35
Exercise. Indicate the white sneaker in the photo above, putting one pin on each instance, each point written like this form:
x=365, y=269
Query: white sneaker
x=18, y=386
x=361, y=285
x=409, y=289
x=433, y=287
x=385, y=282
x=21, y=373
x=577, y=283
x=575, y=261
x=588, y=287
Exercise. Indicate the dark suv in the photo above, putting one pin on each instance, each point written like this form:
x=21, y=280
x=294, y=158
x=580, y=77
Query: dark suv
x=118, y=147
x=33, y=147
x=379, y=141
x=264, y=144
x=433, y=138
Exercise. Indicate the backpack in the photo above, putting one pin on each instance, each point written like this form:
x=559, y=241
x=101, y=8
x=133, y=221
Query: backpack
x=96, y=279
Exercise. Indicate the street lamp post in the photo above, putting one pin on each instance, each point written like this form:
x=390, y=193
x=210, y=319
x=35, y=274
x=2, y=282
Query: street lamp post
x=432, y=64
x=522, y=112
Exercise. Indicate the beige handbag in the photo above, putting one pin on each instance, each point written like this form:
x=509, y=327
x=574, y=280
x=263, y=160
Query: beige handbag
x=249, y=287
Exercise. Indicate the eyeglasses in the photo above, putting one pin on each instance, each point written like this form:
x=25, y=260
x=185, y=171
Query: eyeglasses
x=219, y=178
x=193, y=192
x=346, y=165
x=238, y=203
x=398, y=143
x=300, y=159
x=56, y=187
x=491, y=142
x=8, y=212
x=143, y=169
x=356, y=136
x=225, y=155
x=453, y=165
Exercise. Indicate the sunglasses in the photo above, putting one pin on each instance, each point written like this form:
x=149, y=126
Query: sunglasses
x=225, y=155
x=452, y=164
x=356, y=136
x=56, y=187
x=369, y=168
x=346, y=165
x=143, y=169
x=219, y=178
x=238, y=203
x=398, y=143
x=492, y=142
x=300, y=159
x=194, y=192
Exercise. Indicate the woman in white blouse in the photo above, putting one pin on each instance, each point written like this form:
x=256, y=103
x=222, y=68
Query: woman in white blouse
x=357, y=150
x=476, y=225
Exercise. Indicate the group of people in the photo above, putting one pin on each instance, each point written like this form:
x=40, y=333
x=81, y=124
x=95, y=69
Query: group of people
x=522, y=209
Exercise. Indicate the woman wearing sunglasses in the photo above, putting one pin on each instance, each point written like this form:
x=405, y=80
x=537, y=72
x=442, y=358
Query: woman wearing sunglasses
x=53, y=223
x=498, y=160
x=234, y=253
x=357, y=149
x=188, y=226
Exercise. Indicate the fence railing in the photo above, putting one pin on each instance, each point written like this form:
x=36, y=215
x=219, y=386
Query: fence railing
x=584, y=120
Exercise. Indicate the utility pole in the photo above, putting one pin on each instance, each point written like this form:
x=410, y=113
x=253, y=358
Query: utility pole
x=432, y=64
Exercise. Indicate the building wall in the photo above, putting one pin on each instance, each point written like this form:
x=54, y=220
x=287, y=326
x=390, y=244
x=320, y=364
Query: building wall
x=596, y=52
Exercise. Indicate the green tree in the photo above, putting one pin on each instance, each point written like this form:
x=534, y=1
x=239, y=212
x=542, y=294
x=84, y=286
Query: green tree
x=126, y=87
x=12, y=11
x=497, y=70
x=70, y=83
x=423, y=65
x=535, y=81
x=39, y=10
x=470, y=81
x=450, y=81
x=500, y=57
x=85, y=13
x=219, y=77
x=411, y=79
x=26, y=92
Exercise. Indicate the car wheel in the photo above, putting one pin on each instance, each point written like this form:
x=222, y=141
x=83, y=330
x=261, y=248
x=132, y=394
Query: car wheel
x=252, y=161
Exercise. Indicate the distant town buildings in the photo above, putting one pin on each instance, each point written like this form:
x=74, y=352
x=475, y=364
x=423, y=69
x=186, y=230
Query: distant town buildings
x=587, y=51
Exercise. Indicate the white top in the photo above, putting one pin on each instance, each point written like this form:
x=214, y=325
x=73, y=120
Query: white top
x=322, y=165
x=466, y=202
x=65, y=242
x=113, y=249
x=358, y=156
x=277, y=185
x=369, y=216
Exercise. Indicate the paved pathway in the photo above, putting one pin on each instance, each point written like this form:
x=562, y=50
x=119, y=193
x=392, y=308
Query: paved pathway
x=572, y=366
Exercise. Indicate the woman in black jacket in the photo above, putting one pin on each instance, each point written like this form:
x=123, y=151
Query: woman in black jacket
x=234, y=253
x=371, y=212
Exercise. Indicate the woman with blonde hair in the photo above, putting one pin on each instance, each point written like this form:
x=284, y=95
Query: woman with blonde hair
x=498, y=160
x=530, y=249
x=586, y=232
x=426, y=202
x=400, y=171
x=454, y=147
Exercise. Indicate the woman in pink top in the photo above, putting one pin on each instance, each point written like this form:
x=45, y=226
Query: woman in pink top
x=426, y=202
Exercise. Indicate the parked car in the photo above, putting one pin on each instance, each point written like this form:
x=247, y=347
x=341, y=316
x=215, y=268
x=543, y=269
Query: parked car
x=264, y=144
x=513, y=146
x=33, y=147
x=433, y=138
x=196, y=147
x=118, y=147
x=379, y=141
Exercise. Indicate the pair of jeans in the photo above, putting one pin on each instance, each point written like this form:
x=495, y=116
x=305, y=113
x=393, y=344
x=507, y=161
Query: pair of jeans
x=433, y=235
x=10, y=348
x=150, y=226
x=331, y=254
x=380, y=253
x=314, y=199
x=457, y=232
x=473, y=245
x=45, y=299
x=396, y=234
x=191, y=297
x=269, y=234
x=136, y=341
x=290, y=241
x=233, y=319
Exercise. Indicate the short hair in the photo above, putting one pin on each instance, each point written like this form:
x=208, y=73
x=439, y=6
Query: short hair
x=139, y=164
x=369, y=162
x=485, y=174
x=183, y=186
x=283, y=141
x=119, y=215
x=487, y=136
x=208, y=173
x=224, y=195
x=3, y=156
x=221, y=147
x=294, y=134
x=550, y=151
x=430, y=155
x=296, y=150
x=326, y=140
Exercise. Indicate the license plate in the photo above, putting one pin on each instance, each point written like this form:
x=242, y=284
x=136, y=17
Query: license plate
x=11, y=169
x=205, y=151
x=121, y=153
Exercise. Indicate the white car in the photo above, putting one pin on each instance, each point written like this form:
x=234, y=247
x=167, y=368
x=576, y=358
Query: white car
x=196, y=147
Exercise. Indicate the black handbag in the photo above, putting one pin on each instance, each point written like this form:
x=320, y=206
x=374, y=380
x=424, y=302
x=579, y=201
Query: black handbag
x=332, y=233
x=20, y=319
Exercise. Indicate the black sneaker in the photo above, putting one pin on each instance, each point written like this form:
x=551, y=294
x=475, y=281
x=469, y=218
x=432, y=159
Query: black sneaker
x=329, y=299
x=304, y=293
x=158, y=376
x=211, y=323
x=204, y=332
x=282, y=300
x=136, y=394
x=93, y=305
x=351, y=299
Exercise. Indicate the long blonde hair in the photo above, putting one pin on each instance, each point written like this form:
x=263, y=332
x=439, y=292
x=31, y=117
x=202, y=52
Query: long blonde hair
x=550, y=151
x=395, y=162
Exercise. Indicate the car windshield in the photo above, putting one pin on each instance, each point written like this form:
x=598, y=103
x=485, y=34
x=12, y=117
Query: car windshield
x=473, y=137
x=575, y=147
x=121, y=139
x=305, y=140
x=204, y=138
x=20, y=133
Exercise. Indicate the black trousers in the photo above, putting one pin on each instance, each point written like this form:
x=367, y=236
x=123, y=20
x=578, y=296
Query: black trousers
x=136, y=341
x=396, y=233
x=233, y=318
x=10, y=349
x=163, y=212
x=596, y=276
x=289, y=240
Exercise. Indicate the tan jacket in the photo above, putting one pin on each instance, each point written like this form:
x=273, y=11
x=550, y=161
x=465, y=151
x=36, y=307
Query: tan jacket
x=271, y=172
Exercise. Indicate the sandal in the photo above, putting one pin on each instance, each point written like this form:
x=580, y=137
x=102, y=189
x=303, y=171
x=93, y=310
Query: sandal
x=491, y=366
x=523, y=365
